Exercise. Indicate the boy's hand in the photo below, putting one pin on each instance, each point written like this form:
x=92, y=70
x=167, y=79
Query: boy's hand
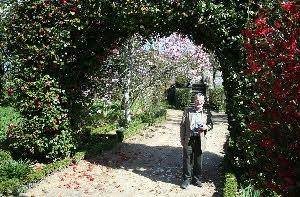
x=182, y=142
x=204, y=128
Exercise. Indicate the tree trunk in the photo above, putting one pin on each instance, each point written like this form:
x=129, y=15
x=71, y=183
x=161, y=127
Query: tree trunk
x=127, y=103
x=127, y=95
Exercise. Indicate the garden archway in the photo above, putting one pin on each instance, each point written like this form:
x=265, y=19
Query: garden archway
x=58, y=44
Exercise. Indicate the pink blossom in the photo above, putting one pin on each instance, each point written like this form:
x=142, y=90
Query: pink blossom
x=11, y=125
x=114, y=80
x=116, y=51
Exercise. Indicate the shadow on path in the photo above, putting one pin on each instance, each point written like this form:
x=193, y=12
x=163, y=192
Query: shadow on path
x=160, y=163
x=163, y=163
x=146, y=164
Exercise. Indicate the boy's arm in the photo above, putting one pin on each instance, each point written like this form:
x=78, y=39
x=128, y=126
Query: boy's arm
x=209, y=121
x=183, y=128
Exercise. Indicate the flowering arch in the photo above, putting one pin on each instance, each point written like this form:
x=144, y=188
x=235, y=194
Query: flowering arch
x=56, y=45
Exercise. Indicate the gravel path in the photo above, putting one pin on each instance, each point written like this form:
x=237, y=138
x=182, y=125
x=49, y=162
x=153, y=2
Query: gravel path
x=147, y=164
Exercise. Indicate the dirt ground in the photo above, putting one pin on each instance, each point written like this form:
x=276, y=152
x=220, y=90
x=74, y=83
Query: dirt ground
x=147, y=164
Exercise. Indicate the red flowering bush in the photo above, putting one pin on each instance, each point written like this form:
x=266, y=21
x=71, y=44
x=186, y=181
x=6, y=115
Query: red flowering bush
x=45, y=133
x=52, y=52
x=273, y=55
x=68, y=41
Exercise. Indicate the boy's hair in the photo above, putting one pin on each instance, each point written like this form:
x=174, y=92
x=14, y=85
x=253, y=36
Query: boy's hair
x=198, y=95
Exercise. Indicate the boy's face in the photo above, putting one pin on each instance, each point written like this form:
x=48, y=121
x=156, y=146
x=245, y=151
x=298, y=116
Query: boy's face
x=199, y=101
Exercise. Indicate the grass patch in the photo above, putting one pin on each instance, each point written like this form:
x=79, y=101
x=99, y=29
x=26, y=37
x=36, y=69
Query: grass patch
x=230, y=182
x=18, y=176
x=8, y=115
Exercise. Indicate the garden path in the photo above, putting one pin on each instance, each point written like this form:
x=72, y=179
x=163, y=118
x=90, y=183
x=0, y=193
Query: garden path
x=147, y=164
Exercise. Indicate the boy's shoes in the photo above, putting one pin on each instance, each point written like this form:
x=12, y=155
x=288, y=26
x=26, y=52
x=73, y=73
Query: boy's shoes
x=198, y=184
x=185, y=184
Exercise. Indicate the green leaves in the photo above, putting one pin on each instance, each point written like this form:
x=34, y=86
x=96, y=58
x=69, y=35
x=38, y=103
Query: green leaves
x=273, y=120
x=9, y=116
x=66, y=43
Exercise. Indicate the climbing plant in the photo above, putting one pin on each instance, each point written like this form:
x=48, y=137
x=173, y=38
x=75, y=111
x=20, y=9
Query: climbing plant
x=54, y=48
x=51, y=52
x=272, y=131
x=65, y=42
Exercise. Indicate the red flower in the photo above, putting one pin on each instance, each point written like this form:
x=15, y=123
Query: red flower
x=281, y=174
x=262, y=97
x=255, y=67
x=260, y=21
x=10, y=91
x=247, y=33
x=266, y=143
x=99, y=58
x=247, y=72
x=289, y=23
x=271, y=63
x=264, y=31
x=253, y=126
x=289, y=181
x=297, y=114
x=286, y=6
x=248, y=46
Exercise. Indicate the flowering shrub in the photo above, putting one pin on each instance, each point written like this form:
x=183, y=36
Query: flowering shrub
x=273, y=55
x=46, y=129
x=51, y=54
x=68, y=40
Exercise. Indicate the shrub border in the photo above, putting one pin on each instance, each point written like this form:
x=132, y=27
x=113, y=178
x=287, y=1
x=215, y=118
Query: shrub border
x=41, y=174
